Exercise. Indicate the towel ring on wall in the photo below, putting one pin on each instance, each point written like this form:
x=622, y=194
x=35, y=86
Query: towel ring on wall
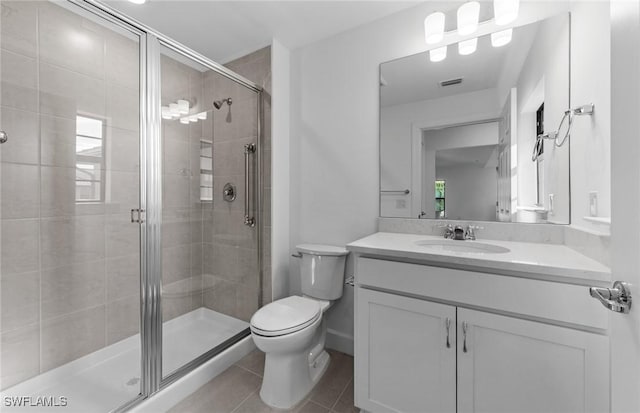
x=568, y=118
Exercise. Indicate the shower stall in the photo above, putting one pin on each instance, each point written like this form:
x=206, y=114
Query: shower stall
x=131, y=207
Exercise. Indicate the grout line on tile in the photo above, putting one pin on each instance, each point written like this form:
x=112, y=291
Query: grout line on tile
x=243, y=401
x=340, y=396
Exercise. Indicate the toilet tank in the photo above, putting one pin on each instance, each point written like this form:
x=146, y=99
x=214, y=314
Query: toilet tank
x=322, y=270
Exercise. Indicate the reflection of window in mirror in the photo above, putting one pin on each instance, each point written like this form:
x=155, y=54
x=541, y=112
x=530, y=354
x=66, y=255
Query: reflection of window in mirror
x=90, y=159
x=440, y=203
x=206, y=170
x=540, y=159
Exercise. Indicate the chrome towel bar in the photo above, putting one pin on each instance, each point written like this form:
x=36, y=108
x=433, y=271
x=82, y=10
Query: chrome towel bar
x=249, y=149
x=568, y=118
x=397, y=191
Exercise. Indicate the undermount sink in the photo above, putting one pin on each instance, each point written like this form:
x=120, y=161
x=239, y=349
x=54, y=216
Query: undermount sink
x=469, y=247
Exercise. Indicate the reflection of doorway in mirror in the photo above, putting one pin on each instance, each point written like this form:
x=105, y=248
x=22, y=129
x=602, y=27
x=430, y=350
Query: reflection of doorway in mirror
x=440, y=199
x=458, y=170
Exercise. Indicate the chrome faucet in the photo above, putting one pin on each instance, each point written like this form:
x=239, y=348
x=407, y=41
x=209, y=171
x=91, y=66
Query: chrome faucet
x=448, y=231
x=470, y=233
x=458, y=232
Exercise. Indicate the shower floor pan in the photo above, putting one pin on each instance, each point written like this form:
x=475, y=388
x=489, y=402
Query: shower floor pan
x=108, y=378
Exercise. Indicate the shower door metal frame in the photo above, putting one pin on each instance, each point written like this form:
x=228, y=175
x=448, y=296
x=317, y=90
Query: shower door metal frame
x=150, y=42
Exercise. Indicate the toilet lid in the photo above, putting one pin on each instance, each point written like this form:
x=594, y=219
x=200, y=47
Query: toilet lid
x=285, y=316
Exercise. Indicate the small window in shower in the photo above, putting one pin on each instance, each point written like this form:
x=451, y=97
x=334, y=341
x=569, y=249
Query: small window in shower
x=440, y=212
x=206, y=170
x=89, y=159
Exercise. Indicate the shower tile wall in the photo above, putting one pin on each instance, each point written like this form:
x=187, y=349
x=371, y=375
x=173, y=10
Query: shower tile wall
x=69, y=274
x=230, y=247
x=182, y=208
x=257, y=67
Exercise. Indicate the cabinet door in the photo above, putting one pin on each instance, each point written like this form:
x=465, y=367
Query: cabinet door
x=402, y=362
x=513, y=365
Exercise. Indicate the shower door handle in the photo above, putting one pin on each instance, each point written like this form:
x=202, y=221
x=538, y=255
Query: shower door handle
x=249, y=149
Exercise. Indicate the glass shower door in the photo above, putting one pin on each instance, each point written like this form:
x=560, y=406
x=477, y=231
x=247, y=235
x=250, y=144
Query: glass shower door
x=210, y=277
x=70, y=174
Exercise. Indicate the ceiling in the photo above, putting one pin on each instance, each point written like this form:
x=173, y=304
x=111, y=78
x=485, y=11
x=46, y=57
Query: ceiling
x=416, y=78
x=225, y=30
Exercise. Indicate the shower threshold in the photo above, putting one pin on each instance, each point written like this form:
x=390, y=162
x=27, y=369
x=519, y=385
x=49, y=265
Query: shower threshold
x=110, y=377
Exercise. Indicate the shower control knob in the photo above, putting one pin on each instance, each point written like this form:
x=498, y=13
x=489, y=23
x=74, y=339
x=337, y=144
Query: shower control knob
x=3, y=136
x=229, y=192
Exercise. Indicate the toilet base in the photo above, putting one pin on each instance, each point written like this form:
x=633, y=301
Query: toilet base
x=291, y=388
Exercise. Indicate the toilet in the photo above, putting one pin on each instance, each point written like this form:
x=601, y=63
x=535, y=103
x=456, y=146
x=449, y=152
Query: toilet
x=291, y=331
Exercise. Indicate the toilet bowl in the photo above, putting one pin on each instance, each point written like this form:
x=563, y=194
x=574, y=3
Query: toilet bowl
x=291, y=331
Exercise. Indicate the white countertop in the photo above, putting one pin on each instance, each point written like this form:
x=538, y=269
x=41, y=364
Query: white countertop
x=524, y=258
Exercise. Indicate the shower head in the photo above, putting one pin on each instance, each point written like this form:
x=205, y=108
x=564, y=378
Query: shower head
x=218, y=103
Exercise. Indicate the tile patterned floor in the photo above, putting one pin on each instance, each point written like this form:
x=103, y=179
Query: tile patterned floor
x=237, y=390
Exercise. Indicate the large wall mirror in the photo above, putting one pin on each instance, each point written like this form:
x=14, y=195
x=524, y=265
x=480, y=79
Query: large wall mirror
x=458, y=137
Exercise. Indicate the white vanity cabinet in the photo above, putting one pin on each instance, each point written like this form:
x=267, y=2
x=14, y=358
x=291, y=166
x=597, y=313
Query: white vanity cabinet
x=508, y=352
x=403, y=361
x=512, y=365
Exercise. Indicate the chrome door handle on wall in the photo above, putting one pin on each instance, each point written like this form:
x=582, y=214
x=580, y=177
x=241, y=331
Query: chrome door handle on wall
x=249, y=149
x=3, y=136
x=447, y=324
x=617, y=299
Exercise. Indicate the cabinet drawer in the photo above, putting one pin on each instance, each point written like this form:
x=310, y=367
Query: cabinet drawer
x=565, y=303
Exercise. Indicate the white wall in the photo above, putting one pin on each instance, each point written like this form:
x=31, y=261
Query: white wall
x=334, y=131
x=280, y=170
x=479, y=134
x=470, y=192
x=547, y=62
x=591, y=136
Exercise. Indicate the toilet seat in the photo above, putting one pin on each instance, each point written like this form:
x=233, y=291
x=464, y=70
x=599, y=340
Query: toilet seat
x=285, y=316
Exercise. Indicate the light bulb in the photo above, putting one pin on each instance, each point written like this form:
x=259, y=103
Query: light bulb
x=138, y=1
x=183, y=106
x=468, y=46
x=202, y=115
x=184, y=120
x=166, y=113
x=438, y=55
x=193, y=118
x=434, y=28
x=505, y=11
x=173, y=109
x=501, y=38
x=468, y=15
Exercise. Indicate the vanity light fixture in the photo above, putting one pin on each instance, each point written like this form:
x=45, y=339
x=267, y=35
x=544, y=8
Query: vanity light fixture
x=174, y=109
x=434, y=28
x=138, y=1
x=438, y=55
x=499, y=39
x=166, y=113
x=505, y=11
x=468, y=15
x=467, y=47
x=183, y=106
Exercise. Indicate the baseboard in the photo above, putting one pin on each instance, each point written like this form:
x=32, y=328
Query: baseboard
x=166, y=398
x=339, y=341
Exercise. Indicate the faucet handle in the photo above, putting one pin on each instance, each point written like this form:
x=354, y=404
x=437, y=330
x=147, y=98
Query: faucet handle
x=470, y=233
